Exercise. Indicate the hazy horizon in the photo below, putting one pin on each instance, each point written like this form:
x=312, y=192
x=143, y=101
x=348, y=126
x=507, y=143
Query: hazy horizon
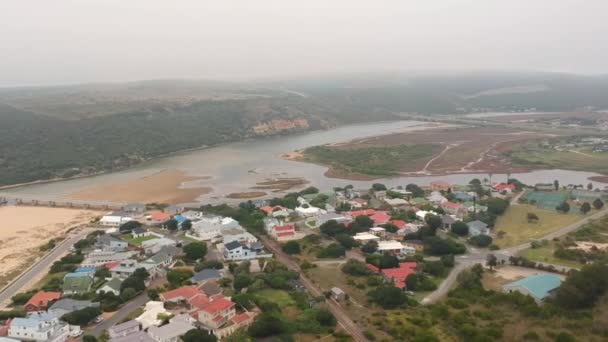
x=73, y=42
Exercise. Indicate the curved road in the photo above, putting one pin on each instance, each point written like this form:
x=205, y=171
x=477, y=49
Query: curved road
x=475, y=256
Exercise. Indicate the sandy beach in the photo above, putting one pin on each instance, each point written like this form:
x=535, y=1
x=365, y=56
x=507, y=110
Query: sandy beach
x=161, y=187
x=24, y=229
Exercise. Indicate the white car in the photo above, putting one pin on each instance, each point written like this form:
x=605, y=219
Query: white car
x=99, y=319
x=76, y=333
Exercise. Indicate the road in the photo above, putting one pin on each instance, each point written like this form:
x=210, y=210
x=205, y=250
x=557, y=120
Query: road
x=35, y=272
x=341, y=316
x=475, y=256
x=119, y=315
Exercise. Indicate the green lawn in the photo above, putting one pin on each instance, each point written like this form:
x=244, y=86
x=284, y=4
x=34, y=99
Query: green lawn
x=545, y=254
x=139, y=240
x=534, y=155
x=279, y=297
x=518, y=230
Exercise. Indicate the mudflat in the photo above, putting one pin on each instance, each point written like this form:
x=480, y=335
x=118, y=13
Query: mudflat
x=24, y=229
x=161, y=187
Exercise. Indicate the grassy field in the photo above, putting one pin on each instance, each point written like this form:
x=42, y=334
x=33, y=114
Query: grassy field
x=545, y=254
x=279, y=297
x=536, y=156
x=137, y=241
x=518, y=230
x=374, y=161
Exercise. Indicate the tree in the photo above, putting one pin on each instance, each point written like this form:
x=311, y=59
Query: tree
x=82, y=317
x=585, y=208
x=309, y=191
x=433, y=221
x=89, y=338
x=187, y=225
x=347, y=241
x=129, y=226
x=195, y=250
x=497, y=206
x=364, y=221
x=556, y=184
x=564, y=207
x=103, y=273
x=291, y=247
x=325, y=318
x=532, y=217
x=598, y=204
x=332, y=251
x=331, y=228
x=481, y=240
x=460, y=228
x=179, y=276
x=355, y=268
x=171, y=224
x=378, y=187
x=388, y=296
x=435, y=245
x=583, y=288
x=491, y=261
x=197, y=335
x=214, y=264
x=265, y=325
x=369, y=247
x=475, y=181
x=415, y=190
x=241, y=281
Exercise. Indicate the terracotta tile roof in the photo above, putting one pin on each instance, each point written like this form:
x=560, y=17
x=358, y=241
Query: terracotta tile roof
x=452, y=205
x=399, y=275
x=110, y=265
x=160, y=216
x=199, y=301
x=380, y=217
x=240, y=318
x=366, y=212
x=373, y=268
x=218, y=305
x=270, y=209
x=398, y=223
x=504, y=186
x=42, y=299
x=281, y=234
x=181, y=293
x=286, y=227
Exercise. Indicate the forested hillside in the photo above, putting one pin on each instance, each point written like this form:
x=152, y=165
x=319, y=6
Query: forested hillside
x=64, y=131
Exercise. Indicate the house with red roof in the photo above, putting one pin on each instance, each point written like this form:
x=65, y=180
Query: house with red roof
x=181, y=294
x=355, y=213
x=216, y=313
x=158, y=217
x=454, y=208
x=282, y=233
x=398, y=275
x=508, y=188
x=380, y=217
x=400, y=224
x=40, y=301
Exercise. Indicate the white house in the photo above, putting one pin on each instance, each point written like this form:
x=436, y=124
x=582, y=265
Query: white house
x=307, y=210
x=39, y=326
x=140, y=232
x=237, y=251
x=127, y=328
x=149, y=317
x=364, y=237
x=156, y=245
x=100, y=258
x=238, y=234
x=115, y=219
x=205, y=230
x=395, y=247
x=178, y=326
x=109, y=243
x=395, y=202
x=436, y=198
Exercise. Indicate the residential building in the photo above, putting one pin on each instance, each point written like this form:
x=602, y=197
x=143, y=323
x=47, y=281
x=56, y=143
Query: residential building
x=124, y=329
x=440, y=186
x=40, y=301
x=436, y=198
x=206, y=275
x=364, y=237
x=417, y=245
x=140, y=336
x=140, y=232
x=111, y=286
x=216, y=313
x=174, y=210
x=380, y=217
x=308, y=210
x=150, y=315
x=157, y=262
x=156, y=245
x=238, y=234
x=39, y=326
x=115, y=219
x=77, y=283
x=135, y=209
x=538, y=286
x=323, y=218
x=544, y=186
x=128, y=267
x=474, y=207
x=67, y=305
x=508, y=188
x=158, y=217
x=100, y=258
x=477, y=228
x=378, y=231
x=237, y=251
x=396, y=202
x=210, y=288
x=447, y=221
x=181, y=294
x=395, y=247
x=178, y=326
x=337, y=294
x=464, y=196
x=282, y=232
x=107, y=242
x=454, y=208
x=398, y=276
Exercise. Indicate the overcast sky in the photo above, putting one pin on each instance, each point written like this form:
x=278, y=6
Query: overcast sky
x=63, y=41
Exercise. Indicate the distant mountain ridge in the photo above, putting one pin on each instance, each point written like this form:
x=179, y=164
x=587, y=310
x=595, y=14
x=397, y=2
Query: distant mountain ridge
x=50, y=132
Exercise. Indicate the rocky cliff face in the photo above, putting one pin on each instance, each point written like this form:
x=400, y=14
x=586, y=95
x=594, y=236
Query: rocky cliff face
x=280, y=125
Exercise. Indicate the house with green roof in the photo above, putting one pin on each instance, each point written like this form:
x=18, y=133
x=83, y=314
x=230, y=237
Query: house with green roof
x=474, y=207
x=77, y=283
x=112, y=285
x=538, y=286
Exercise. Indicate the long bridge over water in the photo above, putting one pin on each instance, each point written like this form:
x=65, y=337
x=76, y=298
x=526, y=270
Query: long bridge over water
x=55, y=201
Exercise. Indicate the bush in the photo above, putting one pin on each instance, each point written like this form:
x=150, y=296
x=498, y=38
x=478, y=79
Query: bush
x=291, y=247
x=388, y=296
x=213, y=264
x=437, y=246
x=355, y=268
x=332, y=251
x=81, y=317
x=481, y=240
x=195, y=250
x=460, y=228
x=179, y=276
x=265, y=325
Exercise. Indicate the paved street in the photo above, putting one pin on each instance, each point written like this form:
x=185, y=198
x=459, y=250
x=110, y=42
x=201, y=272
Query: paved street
x=119, y=315
x=41, y=267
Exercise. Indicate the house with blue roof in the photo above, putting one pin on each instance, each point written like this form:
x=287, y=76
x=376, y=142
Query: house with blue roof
x=538, y=286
